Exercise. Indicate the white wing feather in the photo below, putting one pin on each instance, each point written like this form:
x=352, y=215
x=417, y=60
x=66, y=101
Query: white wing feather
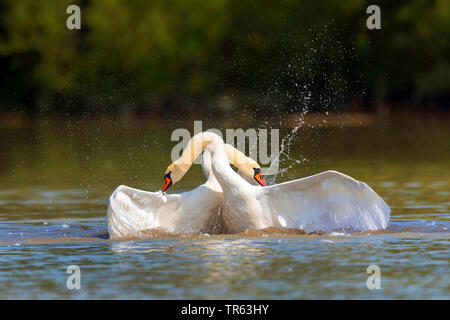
x=325, y=202
x=132, y=210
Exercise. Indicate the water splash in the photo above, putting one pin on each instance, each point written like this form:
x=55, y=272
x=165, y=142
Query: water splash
x=284, y=154
x=162, y=195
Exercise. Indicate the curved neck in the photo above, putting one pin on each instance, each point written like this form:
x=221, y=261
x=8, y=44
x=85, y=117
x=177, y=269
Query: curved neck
x=216, y=152
x=206, y=164
x=224, y=174
x=207, y=170
x=195, y=146
x=238, y=159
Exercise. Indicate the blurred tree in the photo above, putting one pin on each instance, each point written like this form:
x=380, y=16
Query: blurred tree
x=287, y=54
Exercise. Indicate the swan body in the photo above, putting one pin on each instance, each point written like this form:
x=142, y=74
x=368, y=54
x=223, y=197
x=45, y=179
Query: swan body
x=327, y=201
x=323, y=202
x=132, y=211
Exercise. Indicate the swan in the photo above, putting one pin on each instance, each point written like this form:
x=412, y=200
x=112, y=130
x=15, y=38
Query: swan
x=132, y=211
x=325, y=201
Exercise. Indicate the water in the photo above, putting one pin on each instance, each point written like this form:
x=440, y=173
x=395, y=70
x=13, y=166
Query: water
x=55, y=178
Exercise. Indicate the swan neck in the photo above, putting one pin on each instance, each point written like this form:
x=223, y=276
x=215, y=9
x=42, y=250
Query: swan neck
x=194, y=148
x=224, y=174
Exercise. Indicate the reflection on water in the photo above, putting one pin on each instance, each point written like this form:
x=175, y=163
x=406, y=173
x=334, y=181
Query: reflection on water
x=55, y=182
x=413, y=266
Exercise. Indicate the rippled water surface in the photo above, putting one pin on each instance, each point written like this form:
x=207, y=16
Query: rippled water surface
x=56, y=178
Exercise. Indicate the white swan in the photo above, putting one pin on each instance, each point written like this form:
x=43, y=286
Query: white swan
x=323, y=202
x=131, y=211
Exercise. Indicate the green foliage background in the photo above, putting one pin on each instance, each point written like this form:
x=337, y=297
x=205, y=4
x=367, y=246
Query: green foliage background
x=181, y=55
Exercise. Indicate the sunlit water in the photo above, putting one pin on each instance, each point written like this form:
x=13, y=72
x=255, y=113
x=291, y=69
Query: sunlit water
x=53, y=199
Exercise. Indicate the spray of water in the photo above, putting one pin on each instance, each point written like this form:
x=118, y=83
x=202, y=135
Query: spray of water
x=310, y=80
x=284, y=154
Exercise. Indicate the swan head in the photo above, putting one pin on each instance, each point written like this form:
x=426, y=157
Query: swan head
x=252, y=170
x=248, y=167
x=257, y=175
x=173, y=174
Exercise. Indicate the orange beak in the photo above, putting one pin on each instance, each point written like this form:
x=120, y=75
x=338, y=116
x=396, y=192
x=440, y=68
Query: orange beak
x=167, y=182
x=259, y=178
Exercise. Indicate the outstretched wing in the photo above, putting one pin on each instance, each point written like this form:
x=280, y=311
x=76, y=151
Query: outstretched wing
x=325, y=202
x=132, y=210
